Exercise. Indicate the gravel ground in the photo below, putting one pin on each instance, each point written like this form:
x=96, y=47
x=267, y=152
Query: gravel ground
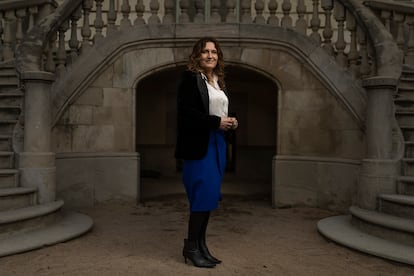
x=247, y=234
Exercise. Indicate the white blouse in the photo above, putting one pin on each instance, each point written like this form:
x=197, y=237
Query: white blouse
x=218, y=101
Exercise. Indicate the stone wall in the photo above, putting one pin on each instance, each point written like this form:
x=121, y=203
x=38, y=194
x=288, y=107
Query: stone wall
x=318, y=111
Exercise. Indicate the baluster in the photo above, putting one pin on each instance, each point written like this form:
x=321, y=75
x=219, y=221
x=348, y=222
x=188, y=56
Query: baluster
x=111, y=16
x=409, y=58
x=272, y=19
x=74, y=42
x=301, y=24
x=386, y=19
x=399, y=36
x=339, y=14
x=1, y=36
x=169, y=14
x=259, y=6
x=86, y=30
x=32, y=12
x=154, y=6
x=246, y=11
x=353, y=52
x=139, y=8
x=51, y=47
x=8, y=39
x=98, y=23
x=126, y=10
x=20, y=14
x=315, y=22
x=286, y=19
x=363, y=52
x=231, y=16
x=184, y=5
x=199, y=17
x=215, y=7
x=327, y=6
x=61, y=52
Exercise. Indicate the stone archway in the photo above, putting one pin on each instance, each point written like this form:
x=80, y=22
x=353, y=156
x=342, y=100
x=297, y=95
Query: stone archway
x=253, y=100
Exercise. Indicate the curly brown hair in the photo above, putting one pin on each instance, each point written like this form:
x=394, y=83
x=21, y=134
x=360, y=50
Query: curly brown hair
x=194, y=62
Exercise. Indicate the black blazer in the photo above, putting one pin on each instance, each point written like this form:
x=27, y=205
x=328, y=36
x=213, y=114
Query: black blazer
x=193, y=120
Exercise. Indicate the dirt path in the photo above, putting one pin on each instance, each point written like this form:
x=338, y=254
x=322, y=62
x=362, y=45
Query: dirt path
x=248, y=235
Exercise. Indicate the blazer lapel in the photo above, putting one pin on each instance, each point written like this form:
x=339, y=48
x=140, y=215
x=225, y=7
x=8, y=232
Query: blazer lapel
x=202, y=88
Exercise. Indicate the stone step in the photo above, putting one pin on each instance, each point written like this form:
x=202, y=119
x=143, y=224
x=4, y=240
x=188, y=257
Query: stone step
x=397, y=205
x=7, y=126
x=409, y=149
x=404, y=102
x=407, y=71
x=7, y=88
x=6, y=160
x=408, y=166
x=6, y=143
x=340, y=229
x=18, y=197
x=405, y=117
x=69, y=226
x=383, y=225
x=405, y=185
x=407, y=131
x=23, y=219
x=10, y=112
x=8, y=178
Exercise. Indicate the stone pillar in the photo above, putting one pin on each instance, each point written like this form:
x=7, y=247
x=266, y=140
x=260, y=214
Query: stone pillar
x=379, y=170
x=36, y=162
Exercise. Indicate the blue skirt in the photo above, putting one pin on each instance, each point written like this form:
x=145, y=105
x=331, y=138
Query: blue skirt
x=202, y=178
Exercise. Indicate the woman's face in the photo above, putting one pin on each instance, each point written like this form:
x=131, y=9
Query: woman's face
x=209, y=57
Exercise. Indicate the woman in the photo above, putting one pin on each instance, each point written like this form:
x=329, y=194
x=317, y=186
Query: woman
x=202, y=120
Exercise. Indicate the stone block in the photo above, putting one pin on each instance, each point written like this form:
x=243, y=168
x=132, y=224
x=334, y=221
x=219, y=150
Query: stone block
x=117, y=97
x=121, y=116
x=91, y=96
x=313, y=181
x=105, y=78
x=62, y=138
x=138, y=62
x=80, y=115
x=86, y=178
x=124, y=138
x=93, y=138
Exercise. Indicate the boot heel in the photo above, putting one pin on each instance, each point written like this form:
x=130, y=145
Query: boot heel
x=191, y=252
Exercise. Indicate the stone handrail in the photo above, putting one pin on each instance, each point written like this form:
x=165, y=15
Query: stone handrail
x=30, y=54
x=16, y=19
x=360, y=44
x=398, y=18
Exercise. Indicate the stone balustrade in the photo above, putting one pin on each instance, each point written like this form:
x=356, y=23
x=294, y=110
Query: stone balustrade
x=327, y=22
x=334, y=24
x=18, y=17
x=398, y=18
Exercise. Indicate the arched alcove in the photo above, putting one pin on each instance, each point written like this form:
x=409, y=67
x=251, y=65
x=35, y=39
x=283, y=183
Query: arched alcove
x=253, y=99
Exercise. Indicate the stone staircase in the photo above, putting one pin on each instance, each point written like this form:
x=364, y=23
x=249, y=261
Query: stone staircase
x=25, y=224
x=387, y=232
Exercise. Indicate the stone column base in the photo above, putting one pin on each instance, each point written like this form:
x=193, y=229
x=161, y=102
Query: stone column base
x=377, y=177
x=38, y=170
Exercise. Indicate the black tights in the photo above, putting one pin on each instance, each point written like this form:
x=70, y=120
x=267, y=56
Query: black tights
x=197, y=225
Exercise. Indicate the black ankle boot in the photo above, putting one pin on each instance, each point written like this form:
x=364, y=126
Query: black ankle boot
x=191, y=251
x=206, y=254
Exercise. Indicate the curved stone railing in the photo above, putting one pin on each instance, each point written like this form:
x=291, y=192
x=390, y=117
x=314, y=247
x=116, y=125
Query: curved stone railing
x=398, y=19
x=16, y=19
x=349, y=31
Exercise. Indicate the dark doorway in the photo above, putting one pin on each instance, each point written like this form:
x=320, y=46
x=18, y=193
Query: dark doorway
x=253, y=99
